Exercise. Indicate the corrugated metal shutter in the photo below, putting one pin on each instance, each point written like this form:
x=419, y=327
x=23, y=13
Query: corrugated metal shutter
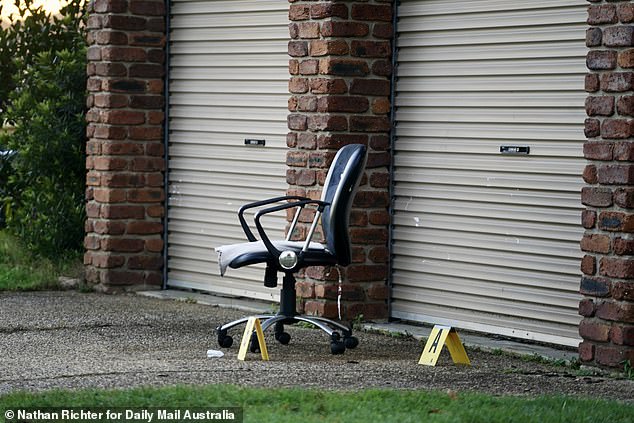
x=485, y=241
x=228, y=82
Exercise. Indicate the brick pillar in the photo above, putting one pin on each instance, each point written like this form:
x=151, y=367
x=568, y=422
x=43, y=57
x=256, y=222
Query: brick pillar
x=608, y=265
x=125, y=157
x=340, y=89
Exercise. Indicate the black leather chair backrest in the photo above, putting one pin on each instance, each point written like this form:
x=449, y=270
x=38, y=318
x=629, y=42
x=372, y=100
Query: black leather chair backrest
x=340, y=187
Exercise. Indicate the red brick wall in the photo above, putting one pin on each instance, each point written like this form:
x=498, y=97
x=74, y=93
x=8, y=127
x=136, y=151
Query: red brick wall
x=608, y=266
x=340, y=70
x=340, y=93
x=125, y=157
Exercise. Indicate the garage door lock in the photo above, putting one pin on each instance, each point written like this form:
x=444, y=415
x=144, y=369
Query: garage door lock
x=515, y=149
x=250, y=141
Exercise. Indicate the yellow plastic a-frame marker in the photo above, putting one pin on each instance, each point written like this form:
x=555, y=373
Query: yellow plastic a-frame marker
x=439, y=336
x=253, y=324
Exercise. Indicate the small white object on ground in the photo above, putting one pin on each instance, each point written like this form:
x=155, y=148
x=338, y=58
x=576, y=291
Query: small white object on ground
x=214, y=354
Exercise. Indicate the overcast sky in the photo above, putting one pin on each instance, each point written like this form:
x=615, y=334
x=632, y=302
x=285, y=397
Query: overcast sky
x=50, y=5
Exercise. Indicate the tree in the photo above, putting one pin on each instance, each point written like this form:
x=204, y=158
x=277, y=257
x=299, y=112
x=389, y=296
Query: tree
x=45, y=105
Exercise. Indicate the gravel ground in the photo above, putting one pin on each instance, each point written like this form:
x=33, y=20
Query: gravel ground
x=74, y=340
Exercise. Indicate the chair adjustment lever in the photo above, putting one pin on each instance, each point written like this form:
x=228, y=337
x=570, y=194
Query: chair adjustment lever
x=270, y=276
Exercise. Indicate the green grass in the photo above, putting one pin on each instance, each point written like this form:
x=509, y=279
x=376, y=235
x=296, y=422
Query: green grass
x=301, y=405
x=21, y=271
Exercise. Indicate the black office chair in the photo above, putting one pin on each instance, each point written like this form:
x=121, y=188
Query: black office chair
x=290, y=256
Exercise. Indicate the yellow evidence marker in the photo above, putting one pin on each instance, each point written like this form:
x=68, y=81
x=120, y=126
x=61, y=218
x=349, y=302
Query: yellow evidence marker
x=253, y=324
x=439, y=336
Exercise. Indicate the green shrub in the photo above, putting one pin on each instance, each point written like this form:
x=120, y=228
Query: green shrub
x=34, y=31
x=5, y=169
x=44, y=198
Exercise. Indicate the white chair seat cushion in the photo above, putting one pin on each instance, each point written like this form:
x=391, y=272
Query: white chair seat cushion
x=228, y=253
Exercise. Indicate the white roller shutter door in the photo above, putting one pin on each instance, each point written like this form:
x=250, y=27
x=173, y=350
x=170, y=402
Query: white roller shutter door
x=228, y=81
x=482, y=240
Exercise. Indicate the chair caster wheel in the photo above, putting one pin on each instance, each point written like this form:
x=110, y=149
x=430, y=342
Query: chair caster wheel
x=254, y=345
x=283, y=338
x=351, y=342
x=337, y=347
x=224, y=340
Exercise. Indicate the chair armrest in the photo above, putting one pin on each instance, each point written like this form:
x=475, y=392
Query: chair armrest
x=243, y=223
x=265, y=239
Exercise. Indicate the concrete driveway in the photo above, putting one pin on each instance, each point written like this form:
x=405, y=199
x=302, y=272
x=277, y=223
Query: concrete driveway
x=76, y=340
